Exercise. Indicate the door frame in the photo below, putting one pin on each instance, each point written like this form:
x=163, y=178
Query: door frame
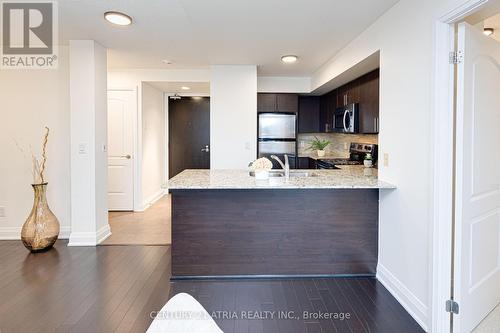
x=136, y=153
x=444, y=162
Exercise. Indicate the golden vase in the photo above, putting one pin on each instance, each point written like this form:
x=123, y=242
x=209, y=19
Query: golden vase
x=41, y=229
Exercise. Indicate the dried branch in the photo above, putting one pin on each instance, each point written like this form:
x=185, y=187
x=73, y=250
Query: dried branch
x=44, y=153
x=38, y=165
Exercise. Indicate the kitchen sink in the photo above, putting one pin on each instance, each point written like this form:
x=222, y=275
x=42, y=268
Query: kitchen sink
x=302, y=174
x=293, y=174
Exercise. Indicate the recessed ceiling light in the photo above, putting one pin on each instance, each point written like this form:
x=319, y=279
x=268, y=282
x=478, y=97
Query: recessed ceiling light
x=185, y=88
x=289, y=58
x=488, y=31
x=117, y=18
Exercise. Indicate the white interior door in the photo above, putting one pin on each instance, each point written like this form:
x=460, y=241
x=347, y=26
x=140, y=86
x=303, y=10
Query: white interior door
x=477, y=234
x=121, y=111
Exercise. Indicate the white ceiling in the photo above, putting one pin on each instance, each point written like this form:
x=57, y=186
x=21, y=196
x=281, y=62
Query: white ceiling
x=494, y=22
x=201, y=88
x=198, y=33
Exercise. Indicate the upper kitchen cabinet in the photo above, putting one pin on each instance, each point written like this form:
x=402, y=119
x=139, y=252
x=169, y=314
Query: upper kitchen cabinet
x=369, y=102
x=309, y=114
x=348, y=94
x=328, y=104
x=266, y=102
x=316, y=114
x=272, y=102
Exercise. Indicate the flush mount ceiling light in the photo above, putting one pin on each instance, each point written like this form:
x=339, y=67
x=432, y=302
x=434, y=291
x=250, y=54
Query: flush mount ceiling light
x=488, y=31
x=166, y=61
x=288, y=59
x=117, y=18
x=185, y=88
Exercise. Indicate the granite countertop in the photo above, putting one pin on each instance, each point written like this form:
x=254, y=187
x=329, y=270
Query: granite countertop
x=347, y=177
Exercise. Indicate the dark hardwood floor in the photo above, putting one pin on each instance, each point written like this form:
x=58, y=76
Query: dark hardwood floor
x=115, y=288
x=81, y=289
x=364, y=301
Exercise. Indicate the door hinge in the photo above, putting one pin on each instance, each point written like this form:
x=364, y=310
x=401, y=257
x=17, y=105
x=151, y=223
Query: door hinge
x=456, y=57
x=452, y=306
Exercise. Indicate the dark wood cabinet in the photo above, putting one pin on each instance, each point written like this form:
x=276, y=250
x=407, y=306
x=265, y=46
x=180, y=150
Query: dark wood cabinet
x=327, y=109
x=309, y=114
x=266, y=102
x=341, y=99
x=365, y=91
x=272, y=102
x=369, y=103
x=287, y=103
x=348, y=93
x=315, y=114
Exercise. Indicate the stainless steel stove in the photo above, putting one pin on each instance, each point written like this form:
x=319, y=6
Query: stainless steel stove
x=341, y=161
x=357, y=153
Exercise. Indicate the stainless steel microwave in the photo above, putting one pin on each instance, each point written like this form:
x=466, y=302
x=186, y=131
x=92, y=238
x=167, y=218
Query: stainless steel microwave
x=346, y=119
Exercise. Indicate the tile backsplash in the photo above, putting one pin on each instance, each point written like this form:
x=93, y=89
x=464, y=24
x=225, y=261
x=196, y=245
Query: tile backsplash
x=339, y=142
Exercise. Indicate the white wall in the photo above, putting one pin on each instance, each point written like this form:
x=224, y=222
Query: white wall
x=88, y=126
x=283, y=84
x=32, y=99
x=132, y=79
x=404, y=35
x=153, y=144
x=233, y=116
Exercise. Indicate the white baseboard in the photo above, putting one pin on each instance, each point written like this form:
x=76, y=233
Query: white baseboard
x=14, y=233
x=413, y=305
x=89, y=238
x=149, y=201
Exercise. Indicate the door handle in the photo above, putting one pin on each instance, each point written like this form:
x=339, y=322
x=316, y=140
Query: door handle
x=206, y=149
x=128, y=157
x=345, y=114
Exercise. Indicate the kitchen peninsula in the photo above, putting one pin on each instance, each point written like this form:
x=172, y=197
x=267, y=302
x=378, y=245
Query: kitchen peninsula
x=226, y=223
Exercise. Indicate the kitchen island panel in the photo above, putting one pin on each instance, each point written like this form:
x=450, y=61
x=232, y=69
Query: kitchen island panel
x=274, y=232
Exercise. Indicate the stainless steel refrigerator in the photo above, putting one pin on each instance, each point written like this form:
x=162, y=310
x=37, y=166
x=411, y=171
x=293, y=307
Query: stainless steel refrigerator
x=277, y=136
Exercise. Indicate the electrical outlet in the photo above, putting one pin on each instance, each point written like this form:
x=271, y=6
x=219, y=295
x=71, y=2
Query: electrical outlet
x=386, y=160
x=2, y=211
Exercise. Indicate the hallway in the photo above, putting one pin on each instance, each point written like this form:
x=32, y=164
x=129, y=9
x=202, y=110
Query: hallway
x=151, y=227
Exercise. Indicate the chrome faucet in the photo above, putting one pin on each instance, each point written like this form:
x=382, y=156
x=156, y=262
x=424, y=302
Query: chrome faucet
x=285, y=166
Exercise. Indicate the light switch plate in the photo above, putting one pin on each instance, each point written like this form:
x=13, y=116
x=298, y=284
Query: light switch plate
x=82, y=149
x=386, y=160
x=2, y=211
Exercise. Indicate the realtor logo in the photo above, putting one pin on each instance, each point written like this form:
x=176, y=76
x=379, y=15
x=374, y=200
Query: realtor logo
x=29, y=33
